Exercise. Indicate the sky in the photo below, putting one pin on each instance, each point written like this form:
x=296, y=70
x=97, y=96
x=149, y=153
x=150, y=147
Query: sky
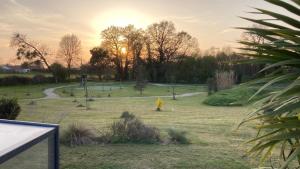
x=212, y=22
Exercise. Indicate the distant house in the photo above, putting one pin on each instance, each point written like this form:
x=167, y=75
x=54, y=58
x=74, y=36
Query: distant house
x=14, y=69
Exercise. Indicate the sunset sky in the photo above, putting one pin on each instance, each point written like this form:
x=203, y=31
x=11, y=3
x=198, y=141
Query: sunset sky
x=46, y=21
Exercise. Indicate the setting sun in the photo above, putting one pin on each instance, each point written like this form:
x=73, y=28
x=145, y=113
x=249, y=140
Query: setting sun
x=123, y=50
x=120, y=17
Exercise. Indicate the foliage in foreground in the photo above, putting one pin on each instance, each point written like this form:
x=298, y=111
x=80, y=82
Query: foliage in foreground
x=132, y=130
x=237, y=96
x=279, y=114
x=9, y=109
x=77, y=134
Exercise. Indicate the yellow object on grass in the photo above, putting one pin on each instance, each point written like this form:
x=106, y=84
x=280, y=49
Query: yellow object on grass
x=159, y=104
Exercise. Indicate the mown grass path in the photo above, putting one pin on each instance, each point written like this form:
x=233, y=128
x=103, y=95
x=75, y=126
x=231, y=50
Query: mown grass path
x=50, y=93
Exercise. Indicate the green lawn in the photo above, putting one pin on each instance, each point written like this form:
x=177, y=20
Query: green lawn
x=126, y=90
x=25, y=91
x=236, y=96
x=215, y=143
x=30, y=74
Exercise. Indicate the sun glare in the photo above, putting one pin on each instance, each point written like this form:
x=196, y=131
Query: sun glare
x=119, y=17
x=123, y=50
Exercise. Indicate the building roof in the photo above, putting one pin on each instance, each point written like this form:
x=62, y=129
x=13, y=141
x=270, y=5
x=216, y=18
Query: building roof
x=14, y=135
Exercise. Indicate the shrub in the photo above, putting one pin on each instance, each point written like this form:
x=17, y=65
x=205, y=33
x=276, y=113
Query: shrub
x=277, y=118
x=9, y=109
x=127, y=115
x=15, y=80
x=211, y=85
x=38, y=79
x=78, y=135
x=224, y=80
x=32, y=103
x=59, y=72
x=133, y=130
x=236, y=96
x=178, y=137
x=19, y=80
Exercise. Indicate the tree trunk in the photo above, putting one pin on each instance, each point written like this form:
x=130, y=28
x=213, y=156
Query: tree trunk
x=173, y=91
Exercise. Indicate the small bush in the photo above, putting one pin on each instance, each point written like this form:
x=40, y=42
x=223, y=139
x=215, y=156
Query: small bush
x=127, y=115
x=77, y=135
x=59, y=72
x=211, y=85
x=19, y=80
x=80, y=105
x=9, y=109
x=38, y=79
x=224, y=80
x=31, y=103
x=90, y=99
x=134, y=131
x=178, y=137
x=15, y=80
x=237, y=96
x=130, y=129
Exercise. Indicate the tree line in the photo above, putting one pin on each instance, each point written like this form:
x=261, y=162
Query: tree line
x=158, y=53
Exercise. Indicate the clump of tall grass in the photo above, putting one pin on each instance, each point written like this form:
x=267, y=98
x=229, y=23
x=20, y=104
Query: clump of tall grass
x=224, y=80
x=77, y=134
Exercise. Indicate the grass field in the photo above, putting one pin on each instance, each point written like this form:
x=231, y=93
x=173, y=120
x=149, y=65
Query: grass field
x=215, y=142
x=126, y=90
x=25, y=91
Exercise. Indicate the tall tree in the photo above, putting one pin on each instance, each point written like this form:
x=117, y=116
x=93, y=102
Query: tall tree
x=113, y=43
x=124, y=45
x=140, y=76
x=100, y=61
x=252, y=37
x=30, y=50
x=69, y=49
x=167, y=44
x=136, y=46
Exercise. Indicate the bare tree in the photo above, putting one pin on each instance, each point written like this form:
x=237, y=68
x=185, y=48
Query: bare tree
x=136, y=45
x=112, y=42
x=167, y=45
x=124, y=45
x=250, y=36
x=30, y=50
x=70, y=48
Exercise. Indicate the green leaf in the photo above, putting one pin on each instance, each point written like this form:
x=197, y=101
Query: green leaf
x=282, y=63
x=296, y=2
x=285, y=5
x=262, y=22
x=283, y=18
x=273, y=81
x=292, y=157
